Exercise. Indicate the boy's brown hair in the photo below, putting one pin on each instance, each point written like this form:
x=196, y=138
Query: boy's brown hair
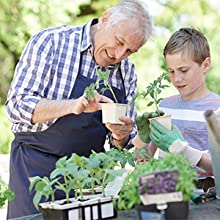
x=190, y=41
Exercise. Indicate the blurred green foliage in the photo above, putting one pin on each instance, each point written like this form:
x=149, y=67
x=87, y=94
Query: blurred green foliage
x=20, y=19
x=6, y=134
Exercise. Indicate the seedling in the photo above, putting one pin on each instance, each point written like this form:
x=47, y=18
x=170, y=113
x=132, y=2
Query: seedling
x=153, y=90
x=78, y=172
x=103, y=79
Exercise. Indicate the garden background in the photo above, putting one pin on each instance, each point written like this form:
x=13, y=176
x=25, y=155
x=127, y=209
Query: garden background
x=20, y=19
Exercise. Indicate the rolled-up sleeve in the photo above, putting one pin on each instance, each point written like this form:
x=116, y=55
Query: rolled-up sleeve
x=31, y=79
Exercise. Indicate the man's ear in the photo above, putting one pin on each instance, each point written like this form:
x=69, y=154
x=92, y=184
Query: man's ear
x=105, y=16
x=207, y=64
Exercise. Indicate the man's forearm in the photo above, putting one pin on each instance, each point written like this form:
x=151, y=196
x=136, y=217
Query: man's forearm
x=47, y=110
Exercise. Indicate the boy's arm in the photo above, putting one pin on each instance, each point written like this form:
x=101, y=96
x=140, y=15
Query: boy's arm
x=150, y=147
x=173, y=142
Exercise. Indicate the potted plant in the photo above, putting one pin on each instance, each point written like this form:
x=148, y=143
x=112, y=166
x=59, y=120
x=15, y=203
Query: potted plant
x=144, y=189
x=78, y=173
x=5, y=194
x=152, y=92
x=110, y=111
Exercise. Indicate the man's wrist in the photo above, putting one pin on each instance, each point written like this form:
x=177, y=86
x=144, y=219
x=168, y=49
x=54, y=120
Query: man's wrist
x=122, y=141
x=118, y=140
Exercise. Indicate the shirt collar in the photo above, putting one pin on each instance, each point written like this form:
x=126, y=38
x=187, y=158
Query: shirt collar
x=86, y=38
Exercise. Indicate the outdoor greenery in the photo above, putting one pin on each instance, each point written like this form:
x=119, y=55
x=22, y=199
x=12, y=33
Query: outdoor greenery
x=6, y=134
x=21, y=19
x=5, y=194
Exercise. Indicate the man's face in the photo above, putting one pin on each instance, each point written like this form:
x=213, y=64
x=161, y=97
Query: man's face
x=113, y=44
x=187, y=76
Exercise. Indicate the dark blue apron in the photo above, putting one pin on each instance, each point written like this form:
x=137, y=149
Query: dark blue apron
x=35, y=153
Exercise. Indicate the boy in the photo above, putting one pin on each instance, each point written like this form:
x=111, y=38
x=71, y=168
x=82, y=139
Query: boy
x=187, y=55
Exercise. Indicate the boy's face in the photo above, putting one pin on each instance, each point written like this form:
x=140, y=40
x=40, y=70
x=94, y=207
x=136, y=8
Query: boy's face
x=187, y=76
x=113, y=44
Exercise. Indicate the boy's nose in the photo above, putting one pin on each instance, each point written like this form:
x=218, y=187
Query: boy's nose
x=178, y=78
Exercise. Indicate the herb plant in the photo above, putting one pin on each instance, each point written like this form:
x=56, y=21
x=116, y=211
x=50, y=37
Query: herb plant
x=129, y=194
x=103, y=79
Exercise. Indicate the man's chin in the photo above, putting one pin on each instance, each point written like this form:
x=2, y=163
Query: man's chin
x=103, y=63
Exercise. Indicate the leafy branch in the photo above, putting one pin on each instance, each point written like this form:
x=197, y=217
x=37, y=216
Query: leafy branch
x=153, y=90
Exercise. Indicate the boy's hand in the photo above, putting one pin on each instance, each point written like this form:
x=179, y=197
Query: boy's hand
x=163, y=137
x=143, y=124
x=173, y=142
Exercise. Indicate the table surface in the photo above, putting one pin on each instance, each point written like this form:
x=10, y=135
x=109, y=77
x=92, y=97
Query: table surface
x=208, y=211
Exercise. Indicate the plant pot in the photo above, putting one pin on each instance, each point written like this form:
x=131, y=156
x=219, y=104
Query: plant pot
x=174, y=211
x=93, y=208
x=112, y=111
x=165, y=120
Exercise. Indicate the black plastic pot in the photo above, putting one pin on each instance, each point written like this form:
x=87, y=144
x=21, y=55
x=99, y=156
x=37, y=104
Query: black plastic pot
x=174, y=211
x=95, y=211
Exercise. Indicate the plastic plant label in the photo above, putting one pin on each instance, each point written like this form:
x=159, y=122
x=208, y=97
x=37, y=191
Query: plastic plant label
x=159, y=187
x=114, y=187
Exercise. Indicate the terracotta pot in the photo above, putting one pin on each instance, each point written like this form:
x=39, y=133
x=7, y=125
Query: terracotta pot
x=112, y=111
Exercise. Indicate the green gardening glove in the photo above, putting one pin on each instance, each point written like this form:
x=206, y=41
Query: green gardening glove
x=143, y=124
x=163, y=137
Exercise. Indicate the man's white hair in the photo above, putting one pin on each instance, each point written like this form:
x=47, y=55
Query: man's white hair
x=132, y=9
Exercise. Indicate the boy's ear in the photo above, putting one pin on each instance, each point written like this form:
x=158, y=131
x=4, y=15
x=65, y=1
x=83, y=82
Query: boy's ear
x=207, y=64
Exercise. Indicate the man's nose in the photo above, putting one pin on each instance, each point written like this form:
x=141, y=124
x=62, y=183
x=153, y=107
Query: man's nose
x=120, y=52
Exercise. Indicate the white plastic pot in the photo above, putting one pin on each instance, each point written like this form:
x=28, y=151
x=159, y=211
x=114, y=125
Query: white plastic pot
x=112, y=111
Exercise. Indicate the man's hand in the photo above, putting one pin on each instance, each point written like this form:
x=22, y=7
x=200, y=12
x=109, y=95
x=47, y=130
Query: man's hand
x=143, y=124
x=163, y=137
x=91, y=105
x=121, y=131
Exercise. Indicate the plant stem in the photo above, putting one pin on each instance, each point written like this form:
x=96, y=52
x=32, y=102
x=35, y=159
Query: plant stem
x=110, y=88
x=67, y=192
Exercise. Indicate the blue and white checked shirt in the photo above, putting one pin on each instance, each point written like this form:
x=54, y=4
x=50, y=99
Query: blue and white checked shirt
x=48, y=69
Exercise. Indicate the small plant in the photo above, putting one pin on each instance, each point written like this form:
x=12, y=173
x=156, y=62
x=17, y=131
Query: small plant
x=103, y=79
x=5, y=194
x=78, y=172
x=153, y=90
x=43, y=188
x=123, y=157
x=129, y=194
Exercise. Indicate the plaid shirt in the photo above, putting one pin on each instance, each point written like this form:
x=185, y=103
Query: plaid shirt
x=48, y=69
